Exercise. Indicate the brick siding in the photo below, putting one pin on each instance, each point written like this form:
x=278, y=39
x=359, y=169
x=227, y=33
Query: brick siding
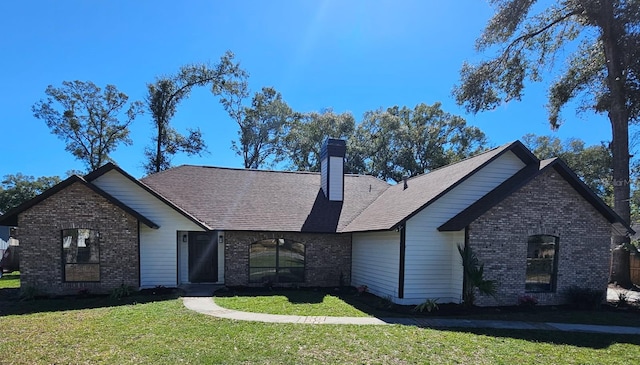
x=327, y=257
x=76, y=206
x=546, y=205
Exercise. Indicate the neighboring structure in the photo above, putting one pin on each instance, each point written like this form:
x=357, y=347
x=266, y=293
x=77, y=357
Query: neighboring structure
x=537, y=228
x=9, y=251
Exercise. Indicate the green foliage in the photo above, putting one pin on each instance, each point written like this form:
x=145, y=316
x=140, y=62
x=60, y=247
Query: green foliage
x=429, y=305
x=29, y=292
x=88, y=119
x=593, y=164
x=473, y=272
x=262, y=126
x=398, y=142
x=122, y=291
x=307, y=133
x=584, y=298
x=602, y=74
x=163, y=98
x=530, y=40
x=10, y=280
x=17, y=189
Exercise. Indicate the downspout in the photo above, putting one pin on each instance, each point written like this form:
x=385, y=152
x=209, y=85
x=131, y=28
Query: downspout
x=403, y=248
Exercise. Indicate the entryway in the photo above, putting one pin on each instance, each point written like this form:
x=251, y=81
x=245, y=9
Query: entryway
x=203, y=257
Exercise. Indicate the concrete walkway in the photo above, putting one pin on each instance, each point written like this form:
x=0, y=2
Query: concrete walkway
x=206, y=305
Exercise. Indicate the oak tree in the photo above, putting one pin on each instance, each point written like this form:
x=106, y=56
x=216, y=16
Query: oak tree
x=163, y=98
x=601, y=73
x=88, y=119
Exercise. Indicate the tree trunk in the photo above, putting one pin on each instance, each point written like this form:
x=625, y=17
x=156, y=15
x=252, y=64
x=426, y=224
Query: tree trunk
x=612, y=34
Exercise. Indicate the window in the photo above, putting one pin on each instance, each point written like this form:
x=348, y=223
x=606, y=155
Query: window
x=80, y=255
x=276, y=261
x=542, y=254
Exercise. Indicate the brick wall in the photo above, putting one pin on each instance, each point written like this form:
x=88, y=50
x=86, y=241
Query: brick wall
x=546, y=205
x=77, y=206
x=326, y=257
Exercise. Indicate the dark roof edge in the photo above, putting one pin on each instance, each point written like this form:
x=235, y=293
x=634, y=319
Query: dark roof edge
x=489, y=200
x=110, y=166
x=516, y=147
x=582, y=188
x=11, y=217
x=482, y=205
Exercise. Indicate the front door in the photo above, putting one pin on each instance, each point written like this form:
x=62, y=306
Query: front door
x=203, y=257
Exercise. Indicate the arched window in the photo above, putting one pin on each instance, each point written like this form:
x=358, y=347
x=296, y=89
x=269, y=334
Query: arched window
x=542, y=267
x=277, y=260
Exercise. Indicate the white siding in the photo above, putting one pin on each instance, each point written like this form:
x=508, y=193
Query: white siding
x=324, y=166
x=375, y=259
x=158, y=247
x=432, y=266
x=336, y=178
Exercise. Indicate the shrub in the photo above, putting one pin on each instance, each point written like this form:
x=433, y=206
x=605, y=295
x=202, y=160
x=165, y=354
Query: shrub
x=29, y=293
x=121, y=292
x=429, y=305
x=623, y=299
x=362, y=289
x=474, y=277
x=527, y=301
x=83, y=293
x=584, y=298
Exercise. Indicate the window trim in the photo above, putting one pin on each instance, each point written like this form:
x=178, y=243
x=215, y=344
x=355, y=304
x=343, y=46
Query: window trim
x=277, y=268
x=64, y=263
x=554, y=270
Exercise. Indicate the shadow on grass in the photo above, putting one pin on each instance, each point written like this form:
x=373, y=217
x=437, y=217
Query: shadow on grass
x=366, y=303
x=294, y=296
x=10, y=303
x=578, y=339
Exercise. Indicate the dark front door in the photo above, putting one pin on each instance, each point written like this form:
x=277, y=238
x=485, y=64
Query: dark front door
x=203, y=257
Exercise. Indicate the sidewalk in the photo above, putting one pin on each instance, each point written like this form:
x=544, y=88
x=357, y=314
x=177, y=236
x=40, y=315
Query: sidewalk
x=206, y=305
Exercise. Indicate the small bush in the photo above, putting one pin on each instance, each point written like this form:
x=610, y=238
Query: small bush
x=83, y=293
x=527, y=301
x=584, y=298
x=623, y=299
x=429, y=305
x=29, y=293
x=122, y=291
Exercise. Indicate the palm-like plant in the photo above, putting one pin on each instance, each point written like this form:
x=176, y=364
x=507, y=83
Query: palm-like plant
x=474, y=277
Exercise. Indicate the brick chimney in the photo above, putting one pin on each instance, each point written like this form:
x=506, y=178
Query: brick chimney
x=332, y=168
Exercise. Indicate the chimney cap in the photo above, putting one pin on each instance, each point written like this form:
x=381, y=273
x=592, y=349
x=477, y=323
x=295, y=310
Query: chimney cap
x=333, y=147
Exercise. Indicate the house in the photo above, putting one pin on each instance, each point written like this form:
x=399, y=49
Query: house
x=536, y=227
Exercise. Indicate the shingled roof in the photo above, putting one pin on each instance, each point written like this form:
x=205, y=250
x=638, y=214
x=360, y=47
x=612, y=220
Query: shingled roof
x=397, y=204
x=10, y=218
x=257, y=200
x=524, y=176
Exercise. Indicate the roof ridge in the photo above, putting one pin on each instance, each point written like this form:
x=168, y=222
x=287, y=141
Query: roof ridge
x=506, y=145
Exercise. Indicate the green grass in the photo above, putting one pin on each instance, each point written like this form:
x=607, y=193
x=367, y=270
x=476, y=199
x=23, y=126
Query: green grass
x=320, y=303
x=10, y=280
x=302, y=303
x=164, y=332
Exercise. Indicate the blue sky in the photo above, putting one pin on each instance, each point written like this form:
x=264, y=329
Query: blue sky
x=348, y=55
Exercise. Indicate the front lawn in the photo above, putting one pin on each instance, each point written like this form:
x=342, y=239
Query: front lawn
x=165, y=332
x=292, y=302
x=351, y=304
x=10, y=280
